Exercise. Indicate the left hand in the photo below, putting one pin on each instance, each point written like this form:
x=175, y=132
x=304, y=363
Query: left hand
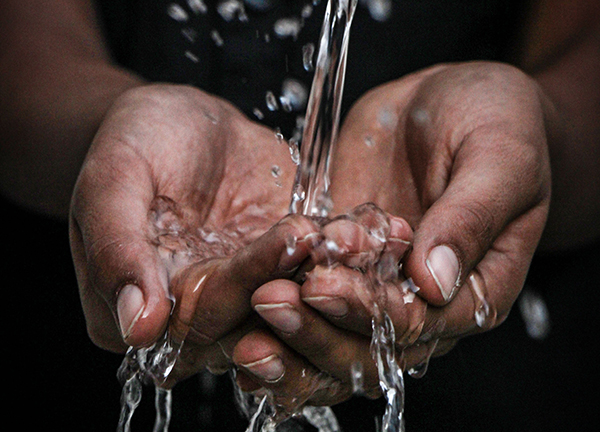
x=460, y=152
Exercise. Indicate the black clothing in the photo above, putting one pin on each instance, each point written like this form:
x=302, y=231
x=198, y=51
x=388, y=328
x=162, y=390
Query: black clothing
x=253, y=59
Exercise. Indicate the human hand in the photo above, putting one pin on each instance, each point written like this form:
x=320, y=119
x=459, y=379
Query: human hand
x=357, y=256
x=174, y=176
x=460, y=152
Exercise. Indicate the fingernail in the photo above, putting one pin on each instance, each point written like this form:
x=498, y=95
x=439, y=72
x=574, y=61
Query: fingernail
x=444, y=267
x=333, y=306
x=281, y=316
x=130, y=306
x=270, y=368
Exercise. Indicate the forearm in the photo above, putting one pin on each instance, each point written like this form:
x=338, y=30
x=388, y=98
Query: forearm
x=573, y=84
x=563, y=54
x=57, y=83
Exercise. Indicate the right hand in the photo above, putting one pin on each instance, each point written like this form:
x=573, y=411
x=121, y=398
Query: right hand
x=168, y=163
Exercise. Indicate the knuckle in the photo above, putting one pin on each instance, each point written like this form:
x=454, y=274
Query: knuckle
x=477, y=222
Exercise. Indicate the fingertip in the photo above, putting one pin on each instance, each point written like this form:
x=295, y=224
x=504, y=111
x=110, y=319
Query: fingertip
x=400, y=229
x=277, y=291
x=141, y=321
x=130, y=306
x=436, y=272
x=400, y=237
x=259, y=355
x=444, y=267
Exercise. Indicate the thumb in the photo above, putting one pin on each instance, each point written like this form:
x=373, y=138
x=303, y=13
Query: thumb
x=122, y=279
x=490, y=214
x=213, y=296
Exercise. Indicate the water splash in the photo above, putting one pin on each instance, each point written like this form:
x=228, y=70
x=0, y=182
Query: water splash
x=147, y=366
x=310, y=196
x=391, y=376
x=358, y=378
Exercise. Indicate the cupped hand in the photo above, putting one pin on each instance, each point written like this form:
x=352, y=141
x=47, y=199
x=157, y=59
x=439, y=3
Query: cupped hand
x=174, y=177
x=458, y=151
x=312, y=340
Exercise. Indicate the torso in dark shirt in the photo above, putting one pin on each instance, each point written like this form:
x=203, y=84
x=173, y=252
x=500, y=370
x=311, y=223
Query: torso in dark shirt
x=241, y=60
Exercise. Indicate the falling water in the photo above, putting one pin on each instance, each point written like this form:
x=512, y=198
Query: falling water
x=310, y=195
x=147, y=366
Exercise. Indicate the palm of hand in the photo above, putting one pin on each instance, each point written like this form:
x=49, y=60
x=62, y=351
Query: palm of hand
x=169, y=169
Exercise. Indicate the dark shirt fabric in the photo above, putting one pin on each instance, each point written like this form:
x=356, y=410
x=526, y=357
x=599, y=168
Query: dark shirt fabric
x=253, y=59
x=500, y=381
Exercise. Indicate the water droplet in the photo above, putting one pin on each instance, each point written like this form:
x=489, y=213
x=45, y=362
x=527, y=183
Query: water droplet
x=216, y=37
x=323, y=205
x=293, y=95
x=299, y=194
x=287, y=27
x=419, y=370
x=190, y=34
x=369, y=141
x=291, y=242
x=358, y=378
x=258, y=113
x=380, y=10
x=535, y=314
x=485, y=314
x=230, y=9
x=294, y=151
x=307, y=11
x=279, y=136
x=420, y=116
x=197, y=6
x=177, y=13
x=275, y=171
x=193, y=57
x=271, y=101
x=331, y=246
x=308, y=53
x=387, y=118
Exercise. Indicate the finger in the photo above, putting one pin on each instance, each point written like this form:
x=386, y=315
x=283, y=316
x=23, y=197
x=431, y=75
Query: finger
x=119, y=271
x=213, y=297
x=265, y=362
x=485, y=298
x=346, y=298
x=347, y=242
x=329, y=348
x=475, y=207
x=399, y=238
x=216, y=358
